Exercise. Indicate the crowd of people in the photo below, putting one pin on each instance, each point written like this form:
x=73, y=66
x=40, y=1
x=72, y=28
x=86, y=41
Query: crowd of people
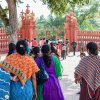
x=60, y=48
x=31, y=71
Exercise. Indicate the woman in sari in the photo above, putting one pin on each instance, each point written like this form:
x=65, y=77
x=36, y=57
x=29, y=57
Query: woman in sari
x=22, y=68
x=50, y=89
x=88, y=72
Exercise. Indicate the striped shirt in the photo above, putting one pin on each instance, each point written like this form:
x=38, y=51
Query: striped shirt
x=89, y=69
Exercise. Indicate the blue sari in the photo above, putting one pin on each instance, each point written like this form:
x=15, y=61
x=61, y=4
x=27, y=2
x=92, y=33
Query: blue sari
x=10, y=90
x=4, y=85
x=19, y=92
x=22, y=89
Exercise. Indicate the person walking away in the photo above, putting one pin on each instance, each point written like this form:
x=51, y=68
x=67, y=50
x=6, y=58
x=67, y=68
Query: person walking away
x=81, y=48
x=67, y=46
x=59, y=47
x=22, y=66
x=34, y=43
x=5, y=77
x=12, y=48
x=43, y=41
x=88, y=71
x=47, y=42
x=74, y=44
x=30, y=45
x=54, y=51
x=63, y=51
x=40, y=42
x=50, y=89
x=35, y=52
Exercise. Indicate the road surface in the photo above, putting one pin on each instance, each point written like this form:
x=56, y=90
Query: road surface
x=70, y=89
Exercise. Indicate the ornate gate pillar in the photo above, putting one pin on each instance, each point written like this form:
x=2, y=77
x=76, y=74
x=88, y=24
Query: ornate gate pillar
x=71, y=28
x=28, y=27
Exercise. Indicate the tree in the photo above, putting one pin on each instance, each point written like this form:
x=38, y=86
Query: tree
x=1, y=23
x=50, y=27
x=56, y=6
x=3, y=15
x=12, y=19
x=60, y=6
x=87, y=17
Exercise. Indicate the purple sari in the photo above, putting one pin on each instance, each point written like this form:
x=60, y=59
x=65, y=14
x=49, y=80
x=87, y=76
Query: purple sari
x=51, y=88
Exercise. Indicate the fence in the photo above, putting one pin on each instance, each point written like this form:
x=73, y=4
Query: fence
x=82, y=37
x=88, y=36
x=3, y=41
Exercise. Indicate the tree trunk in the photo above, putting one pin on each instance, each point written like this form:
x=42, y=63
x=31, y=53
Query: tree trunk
x=13, y=19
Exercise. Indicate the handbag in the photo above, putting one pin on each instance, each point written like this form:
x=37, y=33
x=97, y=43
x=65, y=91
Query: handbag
x=42, y=75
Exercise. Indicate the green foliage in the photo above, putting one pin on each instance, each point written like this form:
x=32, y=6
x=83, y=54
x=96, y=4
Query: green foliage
x=50, y=27
x=60, y=6
x=3, y=15
x=1, y=23
x=8, y=30
x=87, y=16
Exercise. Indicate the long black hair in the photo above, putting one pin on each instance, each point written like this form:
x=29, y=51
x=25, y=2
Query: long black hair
x=92, y=47
x=46, y=55
x=53, y=50
x=12, y=48
x=21, y=47
x=35, y=51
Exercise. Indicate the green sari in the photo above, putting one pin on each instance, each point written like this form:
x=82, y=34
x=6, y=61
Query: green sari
x=58, y=70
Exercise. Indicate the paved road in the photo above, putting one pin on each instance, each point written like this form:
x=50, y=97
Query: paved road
x=67, y=83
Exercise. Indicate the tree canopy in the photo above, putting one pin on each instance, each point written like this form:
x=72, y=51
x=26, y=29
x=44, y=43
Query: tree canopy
x=88, y=17
x=50, y=26
x=3, y=15
x=56, y=6
x=60, y=6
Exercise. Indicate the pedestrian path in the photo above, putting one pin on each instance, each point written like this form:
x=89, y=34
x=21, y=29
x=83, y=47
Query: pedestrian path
x=70, y=89
x=2, y=56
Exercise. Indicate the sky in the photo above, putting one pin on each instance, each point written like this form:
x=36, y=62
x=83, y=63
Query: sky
x=38, y=8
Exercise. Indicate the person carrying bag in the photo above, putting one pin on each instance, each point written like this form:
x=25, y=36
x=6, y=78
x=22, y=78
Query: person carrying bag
x=42, y=75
